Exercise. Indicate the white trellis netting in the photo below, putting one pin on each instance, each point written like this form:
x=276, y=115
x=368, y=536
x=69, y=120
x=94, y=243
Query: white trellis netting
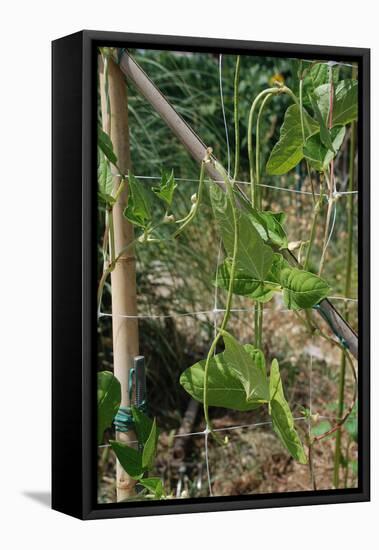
x=213, y=313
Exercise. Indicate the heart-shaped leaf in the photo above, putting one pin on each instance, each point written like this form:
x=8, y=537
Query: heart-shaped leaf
x=254, y=256
x=244, y=284
x=138, y=209
x=167, y=187
x=225, y=388
x=150, y=447
x=345, y=101
x=249, y=366
x=108, y=401
x=282, y=418
x=129, y=458
x=288, y=151
x=320, y=156
x=301, y=289
x=105, y=144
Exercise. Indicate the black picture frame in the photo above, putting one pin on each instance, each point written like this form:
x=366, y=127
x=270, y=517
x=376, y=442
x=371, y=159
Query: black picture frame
x=74, y=269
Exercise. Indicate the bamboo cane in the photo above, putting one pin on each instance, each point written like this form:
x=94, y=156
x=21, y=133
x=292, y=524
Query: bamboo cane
x=123, y=278
x=198, y=150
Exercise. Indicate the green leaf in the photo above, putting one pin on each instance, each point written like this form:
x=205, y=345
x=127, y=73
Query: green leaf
x=249, y=366
x=345, y=101
x=320, y=156
x=325, y=136
x=345, y=109
x=225, y=388
x=108, y=401
x=154, y=485
x=142, y=423
x=301, y=289
x=244, y=284
x=282, y=418
x=129, y=458
x=254, y=256
x=167, y=187
x=104, y=174
x=288, y=151
x=150, y=447
x=316, y=76
x=105, y=144
x=269, y=225
x=138, y=210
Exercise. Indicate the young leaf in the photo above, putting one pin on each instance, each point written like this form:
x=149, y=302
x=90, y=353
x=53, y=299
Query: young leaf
x=150, y=447
x=104, y=175
x=320, y=156
x=224, y=385
x=167, y=187
x=138, y=209
x=108, y=401
x=250, y=367
x=254, y=256
x=288, y=151
x=316, y=76
x=154, y=485
x=129, y=458
x=282, y=419
x=244, y=284
x=105, y=144
x=143, y=425
x=301, y=289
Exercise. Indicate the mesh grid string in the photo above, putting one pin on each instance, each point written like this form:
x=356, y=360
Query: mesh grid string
x=242, y=182
x=231, y=428
x=215, y=311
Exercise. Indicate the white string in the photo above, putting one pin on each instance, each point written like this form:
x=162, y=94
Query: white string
x=225, y=429
x=223, y=111
x=214, y=311
x=275, y=187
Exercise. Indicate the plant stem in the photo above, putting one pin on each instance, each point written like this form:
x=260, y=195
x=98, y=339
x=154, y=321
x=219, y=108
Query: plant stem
x=236, y=119
x=258, y=313
x=228, y=306
x=187, y=220
x=350, y=222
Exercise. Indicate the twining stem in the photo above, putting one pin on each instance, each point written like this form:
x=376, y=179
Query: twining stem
x=236, y=119
x=258, y=312
x=301, y=111
x=330, y=181
x=347, y=290
x=212, y=349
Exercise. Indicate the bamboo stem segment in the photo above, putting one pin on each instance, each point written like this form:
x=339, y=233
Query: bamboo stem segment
x=123, y=277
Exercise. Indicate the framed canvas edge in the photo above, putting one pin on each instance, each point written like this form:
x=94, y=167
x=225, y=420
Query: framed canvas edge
x=89, y=508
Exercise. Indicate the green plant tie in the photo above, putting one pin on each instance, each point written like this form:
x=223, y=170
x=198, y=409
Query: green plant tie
x=123, y=420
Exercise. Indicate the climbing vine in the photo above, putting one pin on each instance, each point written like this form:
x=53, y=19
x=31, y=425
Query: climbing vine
x=256, y=264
